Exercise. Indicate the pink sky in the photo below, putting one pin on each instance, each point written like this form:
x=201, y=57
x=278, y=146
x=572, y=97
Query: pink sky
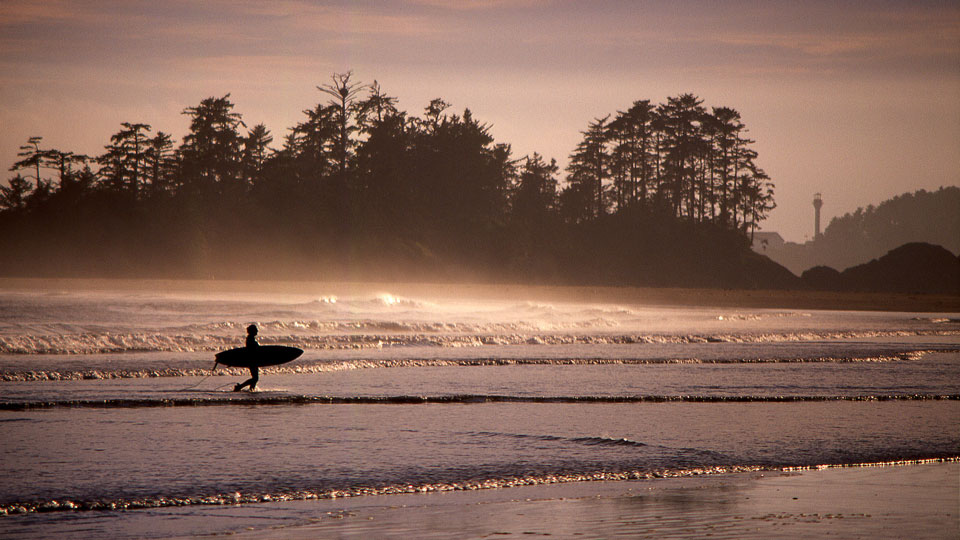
x=859, y=101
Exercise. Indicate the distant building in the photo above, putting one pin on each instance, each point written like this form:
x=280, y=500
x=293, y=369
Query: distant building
x=767, y=240
x=817, y=205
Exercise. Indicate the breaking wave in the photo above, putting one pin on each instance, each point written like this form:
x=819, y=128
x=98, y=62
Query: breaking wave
x=66, y=374
x=938, y=320
x=380, y=334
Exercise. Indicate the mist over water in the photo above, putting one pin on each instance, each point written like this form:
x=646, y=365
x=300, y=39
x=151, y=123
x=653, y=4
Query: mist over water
x=106, y=398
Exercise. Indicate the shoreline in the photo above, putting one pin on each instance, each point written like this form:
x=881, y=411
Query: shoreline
x=882, y=500
x=228, y=499
x=633, y=296
x=921, y=500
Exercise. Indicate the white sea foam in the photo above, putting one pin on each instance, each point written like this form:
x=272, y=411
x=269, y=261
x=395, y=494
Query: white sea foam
x=133, y=372
x=362, y=335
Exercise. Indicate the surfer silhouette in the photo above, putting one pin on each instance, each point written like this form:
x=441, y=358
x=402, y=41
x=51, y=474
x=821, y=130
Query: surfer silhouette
x=254, y=370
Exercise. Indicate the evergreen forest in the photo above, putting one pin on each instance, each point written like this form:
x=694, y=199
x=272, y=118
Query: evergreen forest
x=656, y=194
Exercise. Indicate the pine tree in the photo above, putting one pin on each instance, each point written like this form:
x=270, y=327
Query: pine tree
x=14, y=196
x=344, y=95
x=32, y=156
x=211, y=151
x=256, y=149
x=159, y=162
x=589, y=168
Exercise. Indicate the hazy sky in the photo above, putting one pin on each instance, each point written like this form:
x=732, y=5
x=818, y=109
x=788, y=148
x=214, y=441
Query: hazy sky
x=857, y=100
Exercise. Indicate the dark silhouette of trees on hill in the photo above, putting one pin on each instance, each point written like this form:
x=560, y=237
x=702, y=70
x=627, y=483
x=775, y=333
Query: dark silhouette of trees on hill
x=854, y=238
x=360, y=188
x=675, y=158
x=933, y=217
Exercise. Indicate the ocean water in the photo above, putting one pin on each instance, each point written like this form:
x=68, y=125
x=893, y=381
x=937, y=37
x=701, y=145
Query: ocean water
x=108, y=403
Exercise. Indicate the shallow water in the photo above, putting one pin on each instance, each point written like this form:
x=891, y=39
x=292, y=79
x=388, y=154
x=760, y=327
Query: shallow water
x=105, y=400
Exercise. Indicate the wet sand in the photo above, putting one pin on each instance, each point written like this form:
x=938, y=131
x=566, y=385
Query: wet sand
x=903, y=501
x=916, y=501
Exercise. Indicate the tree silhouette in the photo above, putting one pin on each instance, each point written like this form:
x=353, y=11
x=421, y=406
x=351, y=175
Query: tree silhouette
x=14, y=197
x=64, y=162
x=726, y=138
x=681, y=116
x=256, y=149
x=160, y=163
x=631, y=156
x=33, y=158
x=535, y=198
x=344, y=93
x=315, y=142
x=211, y=151
x=359, y=184
x=372, y=111
x=126, y=156
x=589, y=169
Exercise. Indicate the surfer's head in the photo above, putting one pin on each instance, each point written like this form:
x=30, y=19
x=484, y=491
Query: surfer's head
x=252, y=329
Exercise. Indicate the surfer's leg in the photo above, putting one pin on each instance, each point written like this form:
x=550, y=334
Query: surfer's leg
x=251, y=382
x=255, y=377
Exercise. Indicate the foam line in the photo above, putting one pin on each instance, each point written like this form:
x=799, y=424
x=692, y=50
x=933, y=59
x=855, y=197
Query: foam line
x=347, y=365
x=236, y=498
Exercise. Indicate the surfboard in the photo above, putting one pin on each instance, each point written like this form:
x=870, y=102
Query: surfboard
x=262, y=356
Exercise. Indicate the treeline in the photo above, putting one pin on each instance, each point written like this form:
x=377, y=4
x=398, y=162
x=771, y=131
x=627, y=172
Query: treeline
x=932, y=217
x=359, y=182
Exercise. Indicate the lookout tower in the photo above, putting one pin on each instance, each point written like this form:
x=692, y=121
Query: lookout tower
x=817, y=203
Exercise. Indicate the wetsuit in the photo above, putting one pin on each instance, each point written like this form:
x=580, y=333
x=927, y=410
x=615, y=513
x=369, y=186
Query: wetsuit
x=254, y=370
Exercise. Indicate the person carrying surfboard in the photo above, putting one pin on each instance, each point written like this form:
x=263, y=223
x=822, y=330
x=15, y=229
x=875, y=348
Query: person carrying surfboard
x=254, y=370
x=255, y=356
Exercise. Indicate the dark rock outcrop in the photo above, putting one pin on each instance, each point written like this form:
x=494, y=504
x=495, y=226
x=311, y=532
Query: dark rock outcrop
x=911, y=268
x=821, y=278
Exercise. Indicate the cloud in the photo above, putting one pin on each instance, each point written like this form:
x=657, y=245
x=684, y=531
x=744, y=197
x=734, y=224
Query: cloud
x=473, y=5
x=15, y=12
x=812, y=45
x=919, y=37
x=57, y=12
x=306, y=15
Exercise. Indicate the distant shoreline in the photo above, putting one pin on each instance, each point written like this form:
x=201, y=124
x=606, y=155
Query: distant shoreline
x=667, y=296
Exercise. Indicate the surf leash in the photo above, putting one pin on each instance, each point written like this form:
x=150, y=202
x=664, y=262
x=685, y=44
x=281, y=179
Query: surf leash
x=212, y=371
x=194, y=386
